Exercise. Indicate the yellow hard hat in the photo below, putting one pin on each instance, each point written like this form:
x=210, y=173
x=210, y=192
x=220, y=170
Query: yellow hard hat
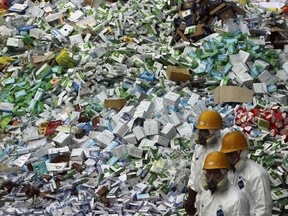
x=209, y=119
x=216, y=160
x=233, y=141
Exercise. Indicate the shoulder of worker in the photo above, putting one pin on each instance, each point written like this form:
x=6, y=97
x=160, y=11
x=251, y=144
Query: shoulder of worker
x=255, y=170
x=199, y=149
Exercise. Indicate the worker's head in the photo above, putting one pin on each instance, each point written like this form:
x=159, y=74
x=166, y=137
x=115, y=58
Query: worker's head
x=234, y=145
x=215, y=169
x=208, y=125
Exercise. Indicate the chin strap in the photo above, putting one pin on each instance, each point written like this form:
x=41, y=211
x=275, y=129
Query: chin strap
x=211, y=139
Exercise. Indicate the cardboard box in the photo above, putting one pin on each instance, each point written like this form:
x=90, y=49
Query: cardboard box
x=260, y=88
x=179, y=32
x=77, y=155
x=199, y=31
x=217, y=9
x=121, y=129
x=102, y=191
x=171, y=99
x=239, y=68
x=282, y=75
x=116, y=103
x=15, y=42
x=174, y=119
x=244, y=79
x=80, y=133
x=53, y=152
x=262, y=64
x=234, y=59
x=146, y=106
x=37, y=59
x=266, y=77
x=105, y=138
x=226, y=13
x=151, y=127
x=245, y=56
x=161, y=140
x=131, y=139
x=56, y=167
x=279, y=98
x=185, y=129
x=62, y=139
x=285, y=67
x=177, y=74
x=139, y=132
x=169, y=131
x=66, y=30
x=135, y=152
x=224, y=94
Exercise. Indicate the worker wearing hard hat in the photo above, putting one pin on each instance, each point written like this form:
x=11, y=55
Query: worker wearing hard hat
x=251, y=178
x=209, y=140
x=220, y=197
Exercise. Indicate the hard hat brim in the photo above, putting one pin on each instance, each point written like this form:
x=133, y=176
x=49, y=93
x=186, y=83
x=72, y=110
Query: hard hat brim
x=198, y=126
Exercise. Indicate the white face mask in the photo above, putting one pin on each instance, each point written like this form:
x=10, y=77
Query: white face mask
x=241, y=162
x=210, y=140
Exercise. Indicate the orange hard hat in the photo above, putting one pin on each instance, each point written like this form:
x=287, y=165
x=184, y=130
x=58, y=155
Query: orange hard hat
x=209, y=119
x=216, y=160
x=233, y=141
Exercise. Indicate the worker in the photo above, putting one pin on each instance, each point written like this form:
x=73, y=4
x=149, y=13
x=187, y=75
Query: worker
x=209, y=124
x=220, y=197
x=251, y=178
